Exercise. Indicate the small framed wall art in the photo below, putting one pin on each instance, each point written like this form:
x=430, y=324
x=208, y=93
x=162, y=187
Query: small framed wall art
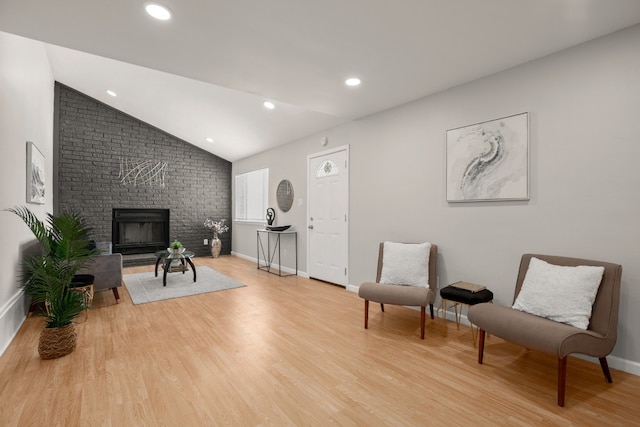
x=35, y=175
x=489, y=161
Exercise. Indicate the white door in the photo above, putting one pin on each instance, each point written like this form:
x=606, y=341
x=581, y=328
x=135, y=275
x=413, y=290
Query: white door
x=328, y=223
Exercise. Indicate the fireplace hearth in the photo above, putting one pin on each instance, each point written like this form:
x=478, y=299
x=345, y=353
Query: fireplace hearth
x=140, y=231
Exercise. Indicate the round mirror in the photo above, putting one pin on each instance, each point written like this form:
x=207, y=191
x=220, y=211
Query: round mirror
x=284, y=195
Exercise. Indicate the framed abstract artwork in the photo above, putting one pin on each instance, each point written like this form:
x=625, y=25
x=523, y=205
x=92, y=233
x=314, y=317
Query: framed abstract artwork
x=489, y=161
x=35, y=175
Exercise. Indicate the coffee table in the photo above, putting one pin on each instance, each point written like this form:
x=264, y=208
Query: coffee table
x=167, y=257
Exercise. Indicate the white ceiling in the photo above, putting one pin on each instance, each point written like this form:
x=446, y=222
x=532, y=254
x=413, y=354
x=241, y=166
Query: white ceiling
x=206, y=72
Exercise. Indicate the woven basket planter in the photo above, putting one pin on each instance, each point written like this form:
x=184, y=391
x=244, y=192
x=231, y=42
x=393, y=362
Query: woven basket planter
x=57, y=342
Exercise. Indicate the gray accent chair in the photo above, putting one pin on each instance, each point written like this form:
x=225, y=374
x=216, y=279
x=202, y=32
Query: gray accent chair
x=398, y=294
x=107, y=272
x=559, y=339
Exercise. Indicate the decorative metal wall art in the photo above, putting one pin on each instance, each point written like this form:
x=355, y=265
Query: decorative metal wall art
x=142, y=172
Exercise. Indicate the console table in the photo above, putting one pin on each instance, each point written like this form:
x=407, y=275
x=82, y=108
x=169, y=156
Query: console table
x=269, y=255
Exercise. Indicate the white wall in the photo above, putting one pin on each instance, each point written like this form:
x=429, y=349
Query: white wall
x=26, y=114
x=584, y=106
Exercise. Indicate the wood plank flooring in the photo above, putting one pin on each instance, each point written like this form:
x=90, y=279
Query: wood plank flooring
x=291, y=352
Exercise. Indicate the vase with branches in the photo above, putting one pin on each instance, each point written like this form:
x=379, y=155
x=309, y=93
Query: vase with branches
x=217, y=228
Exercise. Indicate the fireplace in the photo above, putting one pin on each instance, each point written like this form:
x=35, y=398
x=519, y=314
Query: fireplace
x=140, y=231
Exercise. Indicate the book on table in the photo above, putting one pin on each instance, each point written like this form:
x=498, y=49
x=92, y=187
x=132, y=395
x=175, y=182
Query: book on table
x=471, y=287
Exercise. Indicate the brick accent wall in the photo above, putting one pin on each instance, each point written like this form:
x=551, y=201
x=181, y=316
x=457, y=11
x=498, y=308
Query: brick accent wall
x=91, y=141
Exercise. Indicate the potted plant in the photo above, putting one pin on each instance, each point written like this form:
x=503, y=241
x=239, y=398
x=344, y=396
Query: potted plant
x=50, y=277
x=176, y=247
x=217, y=227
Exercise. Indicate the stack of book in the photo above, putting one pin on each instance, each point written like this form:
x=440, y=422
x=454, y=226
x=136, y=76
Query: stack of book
x=471, y=287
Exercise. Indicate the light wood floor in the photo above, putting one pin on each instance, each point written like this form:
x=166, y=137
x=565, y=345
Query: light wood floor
x=291, y=351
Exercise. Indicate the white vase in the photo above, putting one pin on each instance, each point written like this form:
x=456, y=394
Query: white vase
x=216, y=246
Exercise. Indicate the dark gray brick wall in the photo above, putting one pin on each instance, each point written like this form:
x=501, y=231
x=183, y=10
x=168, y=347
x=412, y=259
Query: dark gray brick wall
x=92, y=140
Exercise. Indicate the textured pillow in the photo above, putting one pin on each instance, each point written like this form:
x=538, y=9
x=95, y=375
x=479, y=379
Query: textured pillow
x=560, y=293
x=406, y=264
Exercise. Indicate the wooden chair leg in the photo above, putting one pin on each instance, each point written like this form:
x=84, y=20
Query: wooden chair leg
x=605, y=369
x=562, y=379
x=366, y=314
x=431, y=310
x=481, y=334
x=382, y=307
x=422, y=321
x=115, y=294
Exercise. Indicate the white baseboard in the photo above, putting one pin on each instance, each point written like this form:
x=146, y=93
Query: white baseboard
x=352, y=288
x=243, y=256
x=274, y=267
x=12, y=315
x=613, y=361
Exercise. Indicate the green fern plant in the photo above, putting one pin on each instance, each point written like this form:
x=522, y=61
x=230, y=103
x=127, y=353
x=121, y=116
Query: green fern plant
x=49, y=277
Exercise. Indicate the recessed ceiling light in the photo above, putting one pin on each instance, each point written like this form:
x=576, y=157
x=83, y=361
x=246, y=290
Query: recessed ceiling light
x=209, y=139
x=158, y=11
x=268, y=104
x=110, y=92
x=354, y=81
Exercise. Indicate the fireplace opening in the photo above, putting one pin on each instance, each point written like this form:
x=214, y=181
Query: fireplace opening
x=140, y=231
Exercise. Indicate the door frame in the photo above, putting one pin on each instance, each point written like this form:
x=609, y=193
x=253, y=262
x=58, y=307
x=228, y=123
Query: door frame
x=320, y=154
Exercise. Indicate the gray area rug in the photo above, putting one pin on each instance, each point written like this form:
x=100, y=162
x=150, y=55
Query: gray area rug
x=145, y=287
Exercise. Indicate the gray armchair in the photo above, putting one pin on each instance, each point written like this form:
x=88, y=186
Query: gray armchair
x=399, y=293
x=107, y=272
x=549, y=336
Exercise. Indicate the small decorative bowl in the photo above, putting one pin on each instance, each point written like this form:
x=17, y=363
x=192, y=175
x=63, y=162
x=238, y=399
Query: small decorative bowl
x=278, y=227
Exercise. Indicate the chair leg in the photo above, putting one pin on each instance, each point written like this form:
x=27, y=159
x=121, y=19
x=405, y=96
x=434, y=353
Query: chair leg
x=366, y=314
x=481, y=334
x=605, y=369
x=115, y=294
x=422, y=320
x=382, y=307
x=431, y=310
x=562, y=379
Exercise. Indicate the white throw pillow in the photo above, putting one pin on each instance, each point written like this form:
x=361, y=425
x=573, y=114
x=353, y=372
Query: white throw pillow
x=560, y=293
x=406, y=264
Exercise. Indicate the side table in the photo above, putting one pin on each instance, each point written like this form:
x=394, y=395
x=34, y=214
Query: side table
x=269, y=255
x=463, y=293
x=83, y=283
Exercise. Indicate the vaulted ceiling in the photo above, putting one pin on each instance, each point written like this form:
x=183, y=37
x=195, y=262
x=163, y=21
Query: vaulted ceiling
x=206, y=72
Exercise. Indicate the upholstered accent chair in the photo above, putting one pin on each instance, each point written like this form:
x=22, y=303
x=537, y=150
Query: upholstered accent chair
x=418, y=265
x=548, y=335
x=107, y=270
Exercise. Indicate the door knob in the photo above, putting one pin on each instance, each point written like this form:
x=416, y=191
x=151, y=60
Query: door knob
x=311, y=227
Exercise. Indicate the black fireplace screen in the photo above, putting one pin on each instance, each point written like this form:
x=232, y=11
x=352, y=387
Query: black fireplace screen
x=137, y=231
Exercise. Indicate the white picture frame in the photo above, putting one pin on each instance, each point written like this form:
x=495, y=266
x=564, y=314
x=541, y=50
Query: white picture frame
x=36, y=182
x=488, y=161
